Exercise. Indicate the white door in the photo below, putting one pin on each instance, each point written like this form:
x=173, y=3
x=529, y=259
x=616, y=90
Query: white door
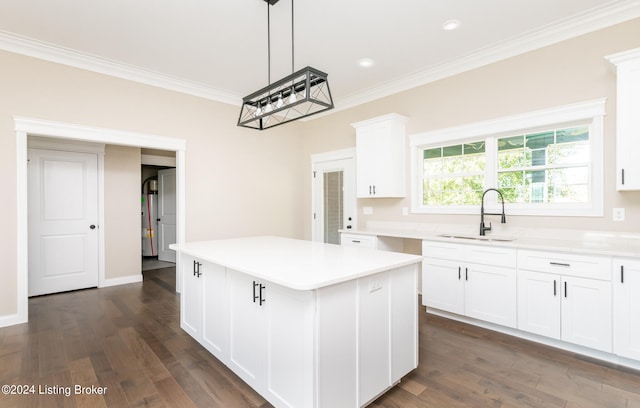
x=334, y=205
x=166, y=214
x=63, y=221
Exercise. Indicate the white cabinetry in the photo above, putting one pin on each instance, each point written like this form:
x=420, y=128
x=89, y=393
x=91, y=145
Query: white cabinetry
x=271, y=339
x=471, y=280
x=371, y=241
x=380, y=157
x=566, y=297
x=203, y=303
x=627, y=118
x=626, y=308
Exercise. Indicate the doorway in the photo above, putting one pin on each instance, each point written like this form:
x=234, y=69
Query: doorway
x=158, y=209
x=333, y=195
x=27, y=126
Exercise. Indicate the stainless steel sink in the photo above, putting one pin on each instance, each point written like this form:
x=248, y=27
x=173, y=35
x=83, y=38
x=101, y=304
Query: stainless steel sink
x=480, y=237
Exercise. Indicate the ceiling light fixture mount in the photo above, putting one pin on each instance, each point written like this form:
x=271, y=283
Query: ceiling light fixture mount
x=303, y=93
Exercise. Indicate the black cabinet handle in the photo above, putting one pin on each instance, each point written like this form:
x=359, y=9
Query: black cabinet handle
x=459, y=270
x=374, y=189
x=622, y=176
x=555, y=289
x=257, y=294
x=369, y=190
x=565, y=289
x=196, y=269
x=559, y=264
x=355, y=241
x=466, y=273
x=621, y=273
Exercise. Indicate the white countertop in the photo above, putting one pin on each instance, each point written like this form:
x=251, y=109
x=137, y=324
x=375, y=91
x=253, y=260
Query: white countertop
x=296, y=264
x=584, y=242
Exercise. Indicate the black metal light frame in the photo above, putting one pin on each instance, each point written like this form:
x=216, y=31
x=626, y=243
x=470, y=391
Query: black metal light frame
x=273, y=105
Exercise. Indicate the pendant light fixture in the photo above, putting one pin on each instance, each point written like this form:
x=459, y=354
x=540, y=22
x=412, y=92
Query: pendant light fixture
x=301, y=94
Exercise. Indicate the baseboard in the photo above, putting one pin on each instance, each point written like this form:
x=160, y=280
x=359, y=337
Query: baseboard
x=121, y=281
x=11, y=320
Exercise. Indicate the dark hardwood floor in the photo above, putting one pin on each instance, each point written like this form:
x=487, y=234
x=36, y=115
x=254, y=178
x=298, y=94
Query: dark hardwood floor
x=128, y=339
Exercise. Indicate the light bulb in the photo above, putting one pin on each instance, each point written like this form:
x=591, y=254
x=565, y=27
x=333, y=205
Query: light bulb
x=292, y=97
x=280, y=102
x=269, y=107
x=259, y=110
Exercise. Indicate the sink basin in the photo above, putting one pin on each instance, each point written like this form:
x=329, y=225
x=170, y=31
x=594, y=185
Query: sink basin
x=480, y=237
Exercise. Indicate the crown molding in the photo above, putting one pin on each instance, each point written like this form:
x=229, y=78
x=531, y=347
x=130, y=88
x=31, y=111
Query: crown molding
x=54, y=53
x=614, y=12
x=610, y=14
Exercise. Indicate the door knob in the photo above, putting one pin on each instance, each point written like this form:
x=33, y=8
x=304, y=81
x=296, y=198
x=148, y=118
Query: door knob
x=92, y=226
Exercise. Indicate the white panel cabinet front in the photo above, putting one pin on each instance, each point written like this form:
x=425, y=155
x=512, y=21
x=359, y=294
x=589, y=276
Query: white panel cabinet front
x=380, y=157
x=475, y=281
x=626, y=308
x=562, y=305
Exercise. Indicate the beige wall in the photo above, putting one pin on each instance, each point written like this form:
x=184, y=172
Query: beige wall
x=238, y=181
x=568, y=72
x=123, y=251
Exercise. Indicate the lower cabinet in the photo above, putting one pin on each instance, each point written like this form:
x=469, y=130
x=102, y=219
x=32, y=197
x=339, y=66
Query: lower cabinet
x=470, y=280
x=626, y=308
x=554, y=302
x=271, y=339
x=341, y=345
x=203, y=306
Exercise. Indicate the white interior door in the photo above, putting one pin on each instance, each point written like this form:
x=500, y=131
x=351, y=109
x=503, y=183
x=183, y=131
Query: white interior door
x=63, y=221
x=166, y=214
x=334, y=204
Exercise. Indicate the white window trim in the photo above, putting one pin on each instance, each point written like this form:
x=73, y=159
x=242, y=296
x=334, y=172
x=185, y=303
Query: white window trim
x=589, y=111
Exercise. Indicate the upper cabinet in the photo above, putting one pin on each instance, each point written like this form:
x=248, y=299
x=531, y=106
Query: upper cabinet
x=381, y=156
x=627, y=119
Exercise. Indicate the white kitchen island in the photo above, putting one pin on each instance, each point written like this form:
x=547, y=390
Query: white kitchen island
x=305, y=324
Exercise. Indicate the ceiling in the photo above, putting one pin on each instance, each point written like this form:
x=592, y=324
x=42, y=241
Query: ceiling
x=218, y=49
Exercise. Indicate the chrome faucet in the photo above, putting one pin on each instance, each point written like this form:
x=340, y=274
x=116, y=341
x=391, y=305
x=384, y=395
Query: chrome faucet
x=482, y=213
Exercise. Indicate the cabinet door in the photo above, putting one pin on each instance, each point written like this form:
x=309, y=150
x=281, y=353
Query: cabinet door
x=290, y=345
x=490, y=294
x=443, y=285
x=380, y=157
x=586, y=312
x=247, y=342
x=191, y=297
x=539, y=297
x=214, y=309
x=626, y=308
x=628, y=124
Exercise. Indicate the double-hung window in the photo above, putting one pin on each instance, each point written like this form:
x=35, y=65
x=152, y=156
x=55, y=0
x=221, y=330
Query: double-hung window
x=546, y=162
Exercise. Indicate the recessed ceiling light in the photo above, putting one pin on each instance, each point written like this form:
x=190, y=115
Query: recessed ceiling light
x=451, y=25
x=366, y=62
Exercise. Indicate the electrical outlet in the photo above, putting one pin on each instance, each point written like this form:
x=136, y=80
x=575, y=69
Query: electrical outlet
x=618, y=214
x=374, y=285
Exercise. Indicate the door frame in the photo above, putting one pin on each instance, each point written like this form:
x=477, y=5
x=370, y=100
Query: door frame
x=26, y=127
x=349, y=153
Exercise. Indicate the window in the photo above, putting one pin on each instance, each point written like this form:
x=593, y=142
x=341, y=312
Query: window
x=545, y=163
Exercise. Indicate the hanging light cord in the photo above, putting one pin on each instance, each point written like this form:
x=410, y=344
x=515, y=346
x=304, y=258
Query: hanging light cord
x=292, y=64
x=268, y=46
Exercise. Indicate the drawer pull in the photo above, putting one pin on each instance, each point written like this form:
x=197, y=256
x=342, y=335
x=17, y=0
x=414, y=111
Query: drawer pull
x=555, y=289
x=355, y=241
x=559, y=264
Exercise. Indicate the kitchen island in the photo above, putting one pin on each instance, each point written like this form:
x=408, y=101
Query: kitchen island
x=305, y=324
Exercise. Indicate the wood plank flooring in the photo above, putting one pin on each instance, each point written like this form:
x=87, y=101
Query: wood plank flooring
x=128, y=340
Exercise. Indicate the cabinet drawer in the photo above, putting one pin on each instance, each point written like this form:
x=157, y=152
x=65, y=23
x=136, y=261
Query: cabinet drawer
x=479, y=254
x=489, y=255
x=585, y=266
x=366, y=241
x=442, y=250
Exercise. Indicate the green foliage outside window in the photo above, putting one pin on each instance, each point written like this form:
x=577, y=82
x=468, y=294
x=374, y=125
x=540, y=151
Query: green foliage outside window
x=543, y=167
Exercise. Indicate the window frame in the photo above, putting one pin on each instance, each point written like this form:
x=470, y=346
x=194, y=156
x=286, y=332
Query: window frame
x=590, y=113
